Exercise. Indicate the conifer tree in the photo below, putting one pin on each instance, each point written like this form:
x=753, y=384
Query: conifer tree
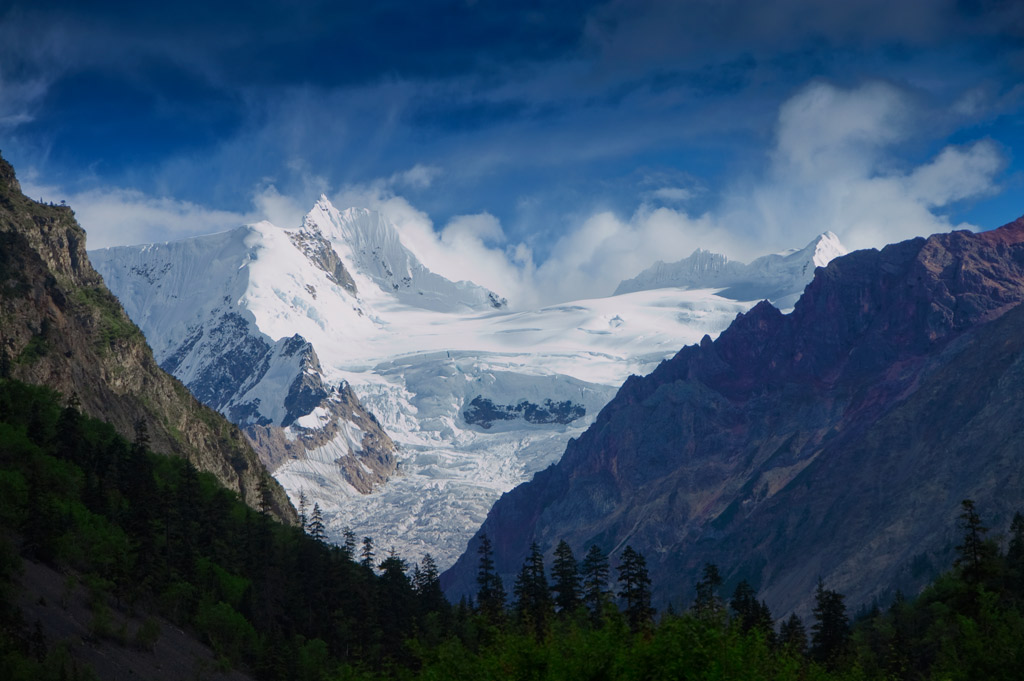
x=976, y=554
x=316, y=524
x=139, y=487
x=348, y=547
x=367, y=553
x=141, y=442
x=303, y=520
x=427, y=585
x=708, y=604
x=69, y=430
x=636, y=588
x=751, y=614
x=532, y=597
x=263, y=490
x=395, y=603
x=831, y=630
x=745, y=606
x=793, y=636
x=595, y=582
x=565, y=573
x=491, y=593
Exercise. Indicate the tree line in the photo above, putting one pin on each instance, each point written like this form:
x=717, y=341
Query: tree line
x=154, y=539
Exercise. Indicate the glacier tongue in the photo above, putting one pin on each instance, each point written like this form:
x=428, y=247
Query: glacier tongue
x=402, y=402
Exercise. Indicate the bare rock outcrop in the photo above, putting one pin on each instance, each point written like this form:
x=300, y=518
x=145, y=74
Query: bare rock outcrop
x=61, y=327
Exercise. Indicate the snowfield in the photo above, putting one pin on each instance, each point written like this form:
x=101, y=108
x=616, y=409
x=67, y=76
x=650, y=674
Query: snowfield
x=476, y=397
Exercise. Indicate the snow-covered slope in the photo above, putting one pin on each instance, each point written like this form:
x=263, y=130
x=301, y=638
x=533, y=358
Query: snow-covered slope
x=364, y=238
x=779, y=277
x=330, y=340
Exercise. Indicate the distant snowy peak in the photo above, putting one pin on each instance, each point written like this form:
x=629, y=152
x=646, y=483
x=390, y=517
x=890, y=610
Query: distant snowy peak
x=372, y=246
x=702, y=269
x=827, y=247
x=779, y=277
x=819, y=253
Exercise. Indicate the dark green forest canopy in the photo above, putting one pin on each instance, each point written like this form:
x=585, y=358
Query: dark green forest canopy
x=153, y=537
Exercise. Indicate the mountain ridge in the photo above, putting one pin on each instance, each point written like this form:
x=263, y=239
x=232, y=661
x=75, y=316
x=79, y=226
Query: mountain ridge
x=716, y=448
x=64, y=329
x=474, y=399
x=776, y=276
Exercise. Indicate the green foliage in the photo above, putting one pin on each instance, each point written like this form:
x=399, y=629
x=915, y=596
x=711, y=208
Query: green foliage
x=147, y=634
x=219, y=584
x=150, y=530
x=565, y=573
x=596, y=595
x=229, y=633
x=36, y=348
x=533, y=603
x=491, y=594
x=114, y=324
x=636, y=588
x=156, y=535
x=831, y=630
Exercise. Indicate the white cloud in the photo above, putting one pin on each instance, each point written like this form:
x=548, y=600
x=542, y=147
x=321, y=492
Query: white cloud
x=482, y=227
x=591, y=260
x=671, y=194
x=957, y=173
x=833, y=167
x=418, y=177
x=113, y=217
x=824, y=129
x=283, y=211
x=18, y=99
x=469, y=247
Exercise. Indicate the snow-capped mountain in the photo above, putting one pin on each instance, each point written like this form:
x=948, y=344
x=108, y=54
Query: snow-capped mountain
x=371, y=243
x=779, y=277
x=330, y=341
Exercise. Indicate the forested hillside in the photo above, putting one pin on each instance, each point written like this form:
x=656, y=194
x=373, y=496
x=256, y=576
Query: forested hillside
x=161, y=551
x=60, y=326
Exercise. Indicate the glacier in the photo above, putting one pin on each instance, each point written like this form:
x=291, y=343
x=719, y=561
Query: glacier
x=402, y=402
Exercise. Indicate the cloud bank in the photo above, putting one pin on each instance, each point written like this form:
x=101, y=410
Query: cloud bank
x=832, y=169
x=835, y=165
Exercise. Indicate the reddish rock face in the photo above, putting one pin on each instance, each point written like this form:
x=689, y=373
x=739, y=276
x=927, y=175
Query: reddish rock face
x=835, y=442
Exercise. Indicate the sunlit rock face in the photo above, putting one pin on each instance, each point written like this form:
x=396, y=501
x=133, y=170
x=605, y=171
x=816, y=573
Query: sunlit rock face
x=61, y=327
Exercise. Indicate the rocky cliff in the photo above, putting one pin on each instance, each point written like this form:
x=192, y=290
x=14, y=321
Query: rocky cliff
x=61, y=327
x=836, y=441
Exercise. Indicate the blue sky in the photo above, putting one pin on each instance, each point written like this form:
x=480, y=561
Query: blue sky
x=546, y=149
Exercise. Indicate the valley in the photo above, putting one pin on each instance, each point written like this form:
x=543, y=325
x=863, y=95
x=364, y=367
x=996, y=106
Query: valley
x=403, y=463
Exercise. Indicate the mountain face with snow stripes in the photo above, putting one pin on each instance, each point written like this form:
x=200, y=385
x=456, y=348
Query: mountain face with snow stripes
x=403, y=402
